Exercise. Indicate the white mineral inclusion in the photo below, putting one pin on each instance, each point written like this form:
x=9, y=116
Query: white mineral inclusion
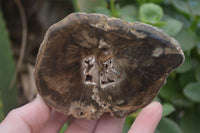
x=103, y=44
x=157, y=52
x=91, y=62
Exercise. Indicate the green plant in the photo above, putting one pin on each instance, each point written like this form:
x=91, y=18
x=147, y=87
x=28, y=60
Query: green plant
x=8, y=95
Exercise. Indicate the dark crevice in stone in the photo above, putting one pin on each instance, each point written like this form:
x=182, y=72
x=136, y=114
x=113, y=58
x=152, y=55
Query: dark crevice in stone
x=88, y=78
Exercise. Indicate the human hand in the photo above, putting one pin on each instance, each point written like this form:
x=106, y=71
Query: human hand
x=37, y=117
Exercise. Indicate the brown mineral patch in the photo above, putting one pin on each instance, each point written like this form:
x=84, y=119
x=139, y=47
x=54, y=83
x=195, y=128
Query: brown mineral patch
x=81, y=110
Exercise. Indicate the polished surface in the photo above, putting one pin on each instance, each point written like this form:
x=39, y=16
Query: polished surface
x=89, y=64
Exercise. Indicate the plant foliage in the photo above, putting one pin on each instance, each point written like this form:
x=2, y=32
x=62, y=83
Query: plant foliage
x=8, y=95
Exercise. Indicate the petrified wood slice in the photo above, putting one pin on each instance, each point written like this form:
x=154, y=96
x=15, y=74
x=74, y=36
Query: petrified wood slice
x=89, y=64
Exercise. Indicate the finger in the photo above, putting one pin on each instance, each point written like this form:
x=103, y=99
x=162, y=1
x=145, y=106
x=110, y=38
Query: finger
x=54, y=124
x=26, y=119
x=148, y=119
x=81, y=126
x=109, y=124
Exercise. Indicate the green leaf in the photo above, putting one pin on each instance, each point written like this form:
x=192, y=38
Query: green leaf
x=129, y=13
x=141, y=1
x=156, y=1
x=181, y=6
x=190, y=121
x=151, y=13
x=186, y=78
x=194, y=6
x=198, y=48
x=172, y=26
x=7, y=70
x=103, y=10
x=157, y=99
x=89, y=6
x=167, y=125
x=187, y=65
x=182, y=102
x=187, y=39
x=197, y=73
x=171, y=90
x=192, y=91
x=127, y=124
x=170, y=12
x=149, y=1
x=167, y=109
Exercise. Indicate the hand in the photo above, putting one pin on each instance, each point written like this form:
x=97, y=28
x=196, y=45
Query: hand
x=37, y=117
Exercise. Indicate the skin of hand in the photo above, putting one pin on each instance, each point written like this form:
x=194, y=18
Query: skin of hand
x=37, y=117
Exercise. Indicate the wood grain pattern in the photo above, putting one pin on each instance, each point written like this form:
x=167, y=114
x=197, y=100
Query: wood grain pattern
x=89, y=64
